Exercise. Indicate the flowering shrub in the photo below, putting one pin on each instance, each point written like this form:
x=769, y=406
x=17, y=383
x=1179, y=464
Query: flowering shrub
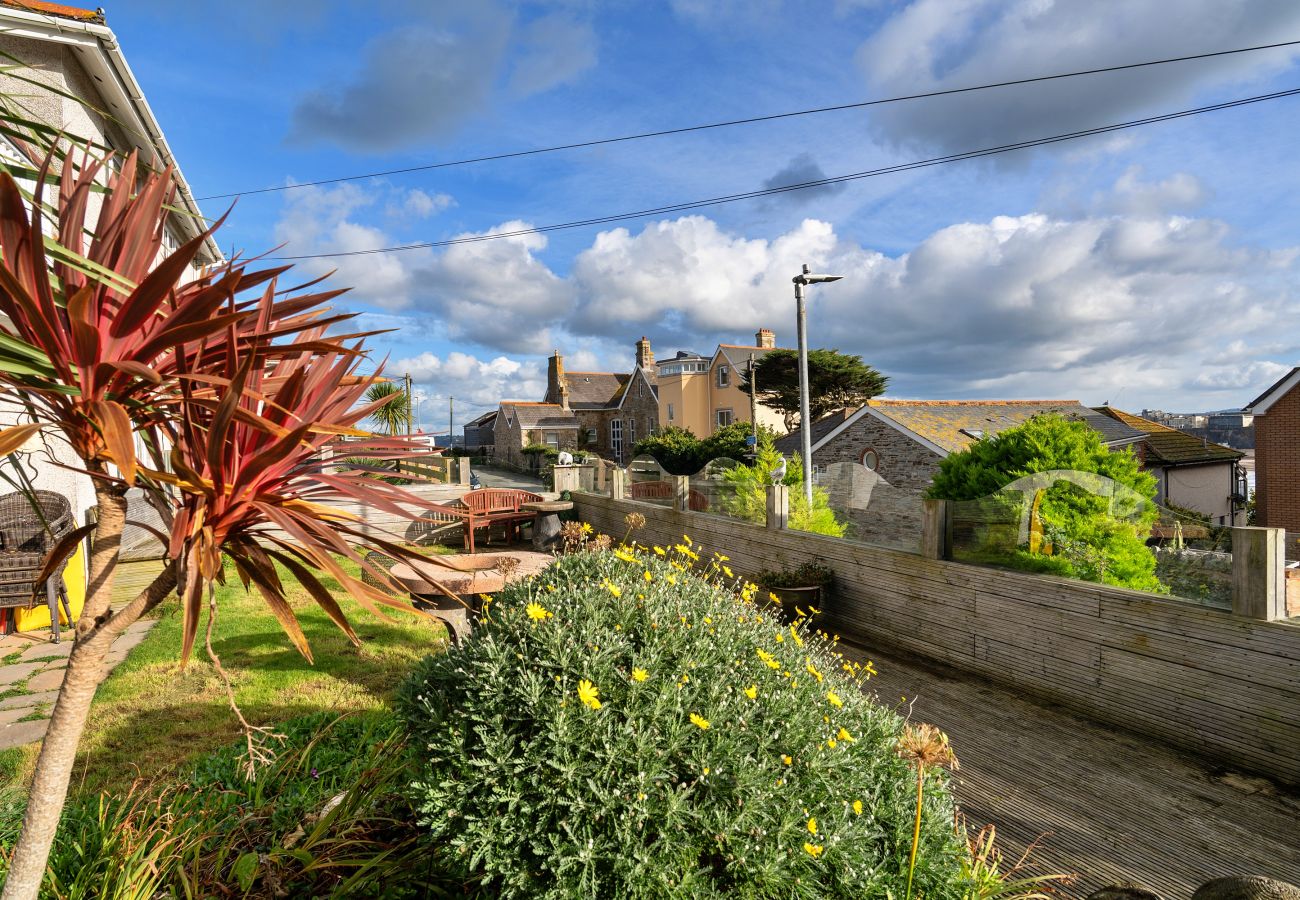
x=635, y=723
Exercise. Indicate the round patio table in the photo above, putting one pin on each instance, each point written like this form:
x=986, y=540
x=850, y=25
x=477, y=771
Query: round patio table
x=422, y=580
x=546, y=521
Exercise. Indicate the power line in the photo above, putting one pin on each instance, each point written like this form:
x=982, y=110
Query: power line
x=749, y=121
x=819, y=182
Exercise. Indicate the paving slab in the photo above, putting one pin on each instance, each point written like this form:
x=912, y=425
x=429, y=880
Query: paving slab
x=10, y=716
x=46, y=649
x=128, y=640
x=49, y=680
x=23, y=733
x=18, y=672
x=28, y=700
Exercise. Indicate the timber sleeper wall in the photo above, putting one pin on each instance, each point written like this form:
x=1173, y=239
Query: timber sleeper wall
x=1207, y=681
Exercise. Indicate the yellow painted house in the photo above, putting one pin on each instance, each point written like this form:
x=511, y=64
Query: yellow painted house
x=702, y=393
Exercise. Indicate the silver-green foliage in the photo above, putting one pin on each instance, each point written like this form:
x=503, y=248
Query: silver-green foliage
x=530, y=792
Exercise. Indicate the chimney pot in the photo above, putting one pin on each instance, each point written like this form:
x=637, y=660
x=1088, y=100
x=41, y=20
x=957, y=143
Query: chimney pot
x=765, y=338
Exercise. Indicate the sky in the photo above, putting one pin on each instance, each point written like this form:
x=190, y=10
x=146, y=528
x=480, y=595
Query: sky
x=1150, y=268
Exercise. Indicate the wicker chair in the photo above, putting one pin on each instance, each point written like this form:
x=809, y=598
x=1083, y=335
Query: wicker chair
x=27, y=535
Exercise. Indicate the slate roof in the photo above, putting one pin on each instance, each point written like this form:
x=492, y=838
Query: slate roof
x=539, y=415
x=1169, y=446
x=482, y=420
x=595, y=390
x=791, y=443
x=953, y=425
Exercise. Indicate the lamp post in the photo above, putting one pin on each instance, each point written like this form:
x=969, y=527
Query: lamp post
x=805, y=425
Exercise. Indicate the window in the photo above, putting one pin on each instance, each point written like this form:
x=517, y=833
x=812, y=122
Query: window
x=640, y=388
x=722, y=418
x=616, y=438
x=724, y=376
x=631, y=431
x=670, y=412
x=591, y=436
x=871, y=459
x=553, y=439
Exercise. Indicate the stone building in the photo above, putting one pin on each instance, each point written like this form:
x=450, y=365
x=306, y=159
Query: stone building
x=521, y=424
x=613, y=410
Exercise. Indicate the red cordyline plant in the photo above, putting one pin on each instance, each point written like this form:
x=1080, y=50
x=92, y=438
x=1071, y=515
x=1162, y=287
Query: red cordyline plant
x=235, y=399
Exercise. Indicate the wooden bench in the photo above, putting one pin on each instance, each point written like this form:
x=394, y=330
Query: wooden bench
x=663, y=490
x=483, y=509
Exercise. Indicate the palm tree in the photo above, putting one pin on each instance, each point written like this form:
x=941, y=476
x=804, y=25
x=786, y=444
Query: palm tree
x=395, y=415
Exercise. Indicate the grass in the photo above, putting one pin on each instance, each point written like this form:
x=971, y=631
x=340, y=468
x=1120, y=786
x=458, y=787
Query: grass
x=151, y=718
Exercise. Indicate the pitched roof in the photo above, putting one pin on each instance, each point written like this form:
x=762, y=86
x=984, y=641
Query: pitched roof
x=56, y=9
x=595, y=390
x=792, y=442
x=1169, y=445
x=1276, y=391
x=947, y=426
x=538, y=415
x=482, y=420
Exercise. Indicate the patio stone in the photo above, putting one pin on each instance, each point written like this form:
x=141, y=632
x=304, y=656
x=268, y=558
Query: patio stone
x=10, y=716
x=28, y=700
x=46, y=681
x=46, y=649
x=23, y=733
x=16, y=672
x=128, y=640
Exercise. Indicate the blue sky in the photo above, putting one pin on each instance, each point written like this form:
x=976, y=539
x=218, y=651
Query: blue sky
x=1152, y=269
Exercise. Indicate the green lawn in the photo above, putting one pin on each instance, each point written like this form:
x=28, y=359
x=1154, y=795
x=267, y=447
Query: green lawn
x=151, y=718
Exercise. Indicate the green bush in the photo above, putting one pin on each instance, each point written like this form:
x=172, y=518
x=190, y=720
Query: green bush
x=1085, y=534
x=719, y=755
x=680, y=452
x=748, y=499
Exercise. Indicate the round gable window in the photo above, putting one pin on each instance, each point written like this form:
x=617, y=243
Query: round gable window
x=871, y=459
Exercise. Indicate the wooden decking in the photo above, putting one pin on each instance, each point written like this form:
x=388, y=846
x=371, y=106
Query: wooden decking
x=1108, y=805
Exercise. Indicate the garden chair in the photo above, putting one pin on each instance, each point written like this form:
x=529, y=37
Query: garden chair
x=30, y=527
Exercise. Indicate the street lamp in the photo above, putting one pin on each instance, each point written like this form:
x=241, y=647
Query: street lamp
x=805, y=424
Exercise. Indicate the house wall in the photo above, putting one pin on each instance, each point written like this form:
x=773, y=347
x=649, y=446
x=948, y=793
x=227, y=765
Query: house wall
x=689, y=395
x=1217, y=685
x=508, y=439
x=480, y=436
x=1277, y=468
x=1205, y=489
x=903, y=462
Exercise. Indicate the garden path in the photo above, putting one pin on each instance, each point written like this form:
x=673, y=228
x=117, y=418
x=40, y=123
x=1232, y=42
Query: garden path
x=1112, y=805
x=31, y=667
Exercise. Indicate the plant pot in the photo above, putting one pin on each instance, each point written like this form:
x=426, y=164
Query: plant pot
x=792, y=599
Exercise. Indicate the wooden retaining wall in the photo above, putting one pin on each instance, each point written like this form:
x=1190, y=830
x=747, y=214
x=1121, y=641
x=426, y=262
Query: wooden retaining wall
x=1207, y=681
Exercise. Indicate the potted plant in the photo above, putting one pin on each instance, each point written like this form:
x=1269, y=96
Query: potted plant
x=800, y=588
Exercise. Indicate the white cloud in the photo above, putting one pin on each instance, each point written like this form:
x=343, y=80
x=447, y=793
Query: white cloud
x=476, y=384
x=936, y=44
x=1147, y=306
x=420, y=205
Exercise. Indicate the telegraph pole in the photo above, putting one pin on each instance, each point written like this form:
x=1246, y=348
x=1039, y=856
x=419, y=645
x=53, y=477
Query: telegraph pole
x=753, y=404
x=406, y=379
x=451, y=422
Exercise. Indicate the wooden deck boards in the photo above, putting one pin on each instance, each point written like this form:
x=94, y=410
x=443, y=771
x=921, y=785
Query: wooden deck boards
x=1108, y=805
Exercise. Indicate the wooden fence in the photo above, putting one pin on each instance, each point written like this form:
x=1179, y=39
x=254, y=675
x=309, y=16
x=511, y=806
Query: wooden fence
x=1216, y=683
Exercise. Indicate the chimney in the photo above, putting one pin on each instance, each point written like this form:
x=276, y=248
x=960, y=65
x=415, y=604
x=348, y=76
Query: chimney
x=765, y=338
x=556, y=389
x=645, y=357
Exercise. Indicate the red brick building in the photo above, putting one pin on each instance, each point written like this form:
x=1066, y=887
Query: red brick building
x=1277, y=457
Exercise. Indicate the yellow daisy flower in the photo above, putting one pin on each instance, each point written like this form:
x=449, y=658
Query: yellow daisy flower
x=812, y=826
x=813, y=850
x=834, y=699
x=537, y=612
x=845, y=736
x=640, y=674
x=788, y=760
x=857, y=807
x=699, y=721
x=752, y=692
x=589, y=694
x=612, y=588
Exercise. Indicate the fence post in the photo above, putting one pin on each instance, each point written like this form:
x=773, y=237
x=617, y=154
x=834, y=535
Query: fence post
x=936, y=535
x=464, y=469
x=1259, y=573
x=600, y=475
x=682, y=493
x=778, y=507
x=617, y=484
